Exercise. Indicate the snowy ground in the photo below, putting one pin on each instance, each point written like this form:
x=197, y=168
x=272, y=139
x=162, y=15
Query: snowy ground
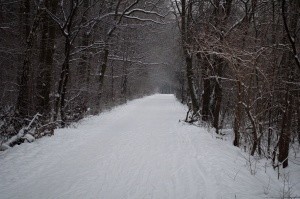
x=139, y=150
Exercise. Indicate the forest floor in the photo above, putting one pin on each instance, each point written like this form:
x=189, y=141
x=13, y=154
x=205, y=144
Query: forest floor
x=139, y=150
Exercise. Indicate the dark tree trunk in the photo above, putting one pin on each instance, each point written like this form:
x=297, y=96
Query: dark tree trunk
x=23, y=98
x=62, y=86
x=217, y=100
x=60, y=112
x=238, y=116
x=84, y=64
x=206, y=93
x=64, y=90
x=124, y=83
x=291, y=31
x=298, y=118
x=102, y=75
x=186, y=40
x=254, y=129
x=259, y=139
x=25, y=17
x=284, y=139
x=190, y=82
x=23, y=102
x=46, y=60
x=112, y=85
x=222, y=13
x=270, y=131
x=217, y=108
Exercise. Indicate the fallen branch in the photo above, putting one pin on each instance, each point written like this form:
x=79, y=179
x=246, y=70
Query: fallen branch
x=22, y=135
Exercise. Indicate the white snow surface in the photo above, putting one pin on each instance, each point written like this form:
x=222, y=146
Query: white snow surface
x=139, y=150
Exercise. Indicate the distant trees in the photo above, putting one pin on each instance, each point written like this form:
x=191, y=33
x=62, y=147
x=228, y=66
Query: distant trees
x=57, y=63
x=245, y=57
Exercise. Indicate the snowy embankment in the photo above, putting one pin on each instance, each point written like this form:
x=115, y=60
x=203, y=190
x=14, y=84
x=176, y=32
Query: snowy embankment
x=139, y=150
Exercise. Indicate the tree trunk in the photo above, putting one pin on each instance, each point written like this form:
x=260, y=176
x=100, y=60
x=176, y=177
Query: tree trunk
x=84, y=65
x=60, y=112
x=222, y=13
x=186, y=41
x=291, y=31
x=217, y=100
x=237, y=116
x=217, y=108
x=23, y=101
x=62, y=86
x=25, y=18
x=284, y=140
x=254, y=129
x=206, y=93
x=102, y=75
x=46, y=60
x=298, y=118
x=124, y=83
x=112, y=85
x=190, y=82
x=23, y=95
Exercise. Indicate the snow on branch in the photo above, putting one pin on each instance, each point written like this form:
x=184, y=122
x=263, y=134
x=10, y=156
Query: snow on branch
x=114, y=58
x=144, y=20
x=22, y=134
x=138, y=10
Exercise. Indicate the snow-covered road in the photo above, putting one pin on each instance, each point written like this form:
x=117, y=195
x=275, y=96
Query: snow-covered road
x=139, y=150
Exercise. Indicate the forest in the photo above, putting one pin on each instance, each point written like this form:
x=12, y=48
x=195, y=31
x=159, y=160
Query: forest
x=242, y=71
x=64, y=60
x=234, y=63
